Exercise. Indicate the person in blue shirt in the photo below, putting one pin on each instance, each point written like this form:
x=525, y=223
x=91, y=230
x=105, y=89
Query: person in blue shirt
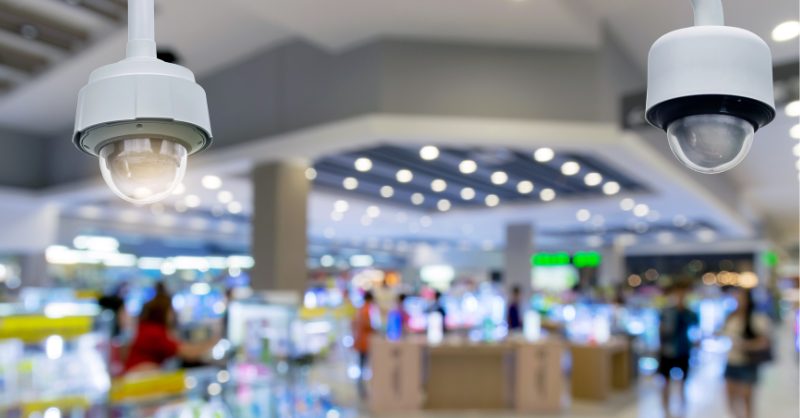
x=676, y=346
x=514, y=316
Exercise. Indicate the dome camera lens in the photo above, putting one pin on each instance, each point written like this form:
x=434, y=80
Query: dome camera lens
x=710, y=143
x=143, y=170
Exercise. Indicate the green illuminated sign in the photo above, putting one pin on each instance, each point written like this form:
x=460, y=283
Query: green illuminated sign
x=580, y=259
x=770, y=258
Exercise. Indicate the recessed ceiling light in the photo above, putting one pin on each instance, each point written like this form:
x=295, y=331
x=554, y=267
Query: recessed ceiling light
x=443, y=205
x=363, y=164
x=468, y=193
x=786, y=31
x=404, y=176
x=373, y=211
x=499, y=178
x=627, y=204
x=525, y=187
x=492, y=200
x=570, y=168
x=438, y=185
x=706, y=235
x=547, y=194
x=429, y=153
x=387, y=191
x=235, y=207
x=311, y=173
x=341, y=206
x=224, y=197
x=611, y=188
x=793, y=109
x=350, y=183
x=467, y=167
x=583, y=215
x=192, y=201
x=794, y=132
x=543, y=155
x=641, y=210
x=179, y=189
x=593, y=179
x=796, y=149
x=211, y=182
x=417, y=199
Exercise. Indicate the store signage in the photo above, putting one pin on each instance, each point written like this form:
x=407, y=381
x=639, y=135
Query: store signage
x=581, y=259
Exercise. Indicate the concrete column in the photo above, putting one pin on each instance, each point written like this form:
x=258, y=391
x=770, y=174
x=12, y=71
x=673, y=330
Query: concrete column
x=519, y=248
x=279, y=244
x=34, y=271
x=612, y=267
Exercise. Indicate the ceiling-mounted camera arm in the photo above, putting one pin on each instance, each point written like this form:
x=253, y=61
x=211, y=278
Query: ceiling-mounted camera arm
x=708, y=13
x=141, y=29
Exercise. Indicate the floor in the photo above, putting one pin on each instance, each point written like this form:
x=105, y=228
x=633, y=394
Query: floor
x=777, y=396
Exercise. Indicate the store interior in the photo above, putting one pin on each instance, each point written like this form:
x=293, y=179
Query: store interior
x=409, y=209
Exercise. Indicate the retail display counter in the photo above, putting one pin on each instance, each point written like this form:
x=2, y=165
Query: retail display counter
x=597, y=369
x=411, y=374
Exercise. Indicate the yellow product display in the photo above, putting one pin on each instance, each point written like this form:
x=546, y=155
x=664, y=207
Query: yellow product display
x=35, y=328
x=66, y=403
x=148, y=386
x=312, y=313
x=87, y=294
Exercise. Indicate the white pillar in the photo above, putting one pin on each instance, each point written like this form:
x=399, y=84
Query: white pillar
x=518, y=251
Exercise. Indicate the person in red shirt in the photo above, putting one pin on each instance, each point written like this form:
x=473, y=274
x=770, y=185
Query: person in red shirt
x=154, y=344
x=362, y=331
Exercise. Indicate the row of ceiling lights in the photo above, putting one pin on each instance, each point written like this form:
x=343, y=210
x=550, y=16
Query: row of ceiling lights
x=468, y=167
x=213, y=183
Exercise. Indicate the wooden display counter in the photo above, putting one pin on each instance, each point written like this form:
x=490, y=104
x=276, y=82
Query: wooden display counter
x=597, y=369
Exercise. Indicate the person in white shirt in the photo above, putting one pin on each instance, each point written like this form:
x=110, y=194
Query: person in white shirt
x=749, y=333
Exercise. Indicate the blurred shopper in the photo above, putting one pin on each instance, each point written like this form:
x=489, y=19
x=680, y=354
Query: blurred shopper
x=438, y=306
x=154, y=343
x=676, y=345
x=114, y=302
x=514, y=314
x=362, y=331
x=749, y=333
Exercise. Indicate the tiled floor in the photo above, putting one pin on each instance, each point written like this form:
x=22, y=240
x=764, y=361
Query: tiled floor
x=777, y=396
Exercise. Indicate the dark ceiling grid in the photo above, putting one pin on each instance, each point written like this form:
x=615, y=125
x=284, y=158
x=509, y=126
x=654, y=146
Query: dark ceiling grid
x=388, y=159
x=31, y=26
x=610, y=231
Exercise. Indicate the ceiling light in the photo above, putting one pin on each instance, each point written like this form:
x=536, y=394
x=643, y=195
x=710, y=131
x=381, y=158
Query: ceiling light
x=570, y=168
x=311, y=173
x=192, y=201
x=793, y=109
x=211, y=182
x=341, y=206
x=142, y=158
x=786, y=31
x=438, y=185
x=706, y=235
x=583, y=215
x=387, y=191
x=794, y=131
x=492, y=200
x=611, y=188
x=425, y=221
x=417, y=199
x=689, y=89
x=350, y=183
x=543, y=155
x=499, y=178
x=224, y=197
x=593, y=179
x=443, y=205
x=525, y=187
x=467, y=167
x=179, y=189
x=404, y=176
x=363, y=164
x=373, y=211
x=429, y=153
x=547, y=194
x=641, y=210
x=337, y=216
x=235, y=207
x=468, y=193
x=796, y=149
x=627, y=204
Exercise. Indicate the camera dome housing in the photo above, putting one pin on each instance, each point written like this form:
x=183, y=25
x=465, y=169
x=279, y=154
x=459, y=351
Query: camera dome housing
x=142, y=116
x=710, y=87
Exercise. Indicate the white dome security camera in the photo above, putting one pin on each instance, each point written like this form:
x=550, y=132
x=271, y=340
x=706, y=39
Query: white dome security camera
x=142, y=116
x=710, y=88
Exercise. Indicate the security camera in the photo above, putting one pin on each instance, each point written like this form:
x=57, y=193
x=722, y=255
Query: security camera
x=710, y=88
x=142, y=116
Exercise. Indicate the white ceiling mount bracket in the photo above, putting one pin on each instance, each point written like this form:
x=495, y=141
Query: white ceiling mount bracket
x=141, y=29
x=708, y=13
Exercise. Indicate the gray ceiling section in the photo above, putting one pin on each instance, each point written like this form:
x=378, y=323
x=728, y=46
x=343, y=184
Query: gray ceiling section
x=21, y=160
